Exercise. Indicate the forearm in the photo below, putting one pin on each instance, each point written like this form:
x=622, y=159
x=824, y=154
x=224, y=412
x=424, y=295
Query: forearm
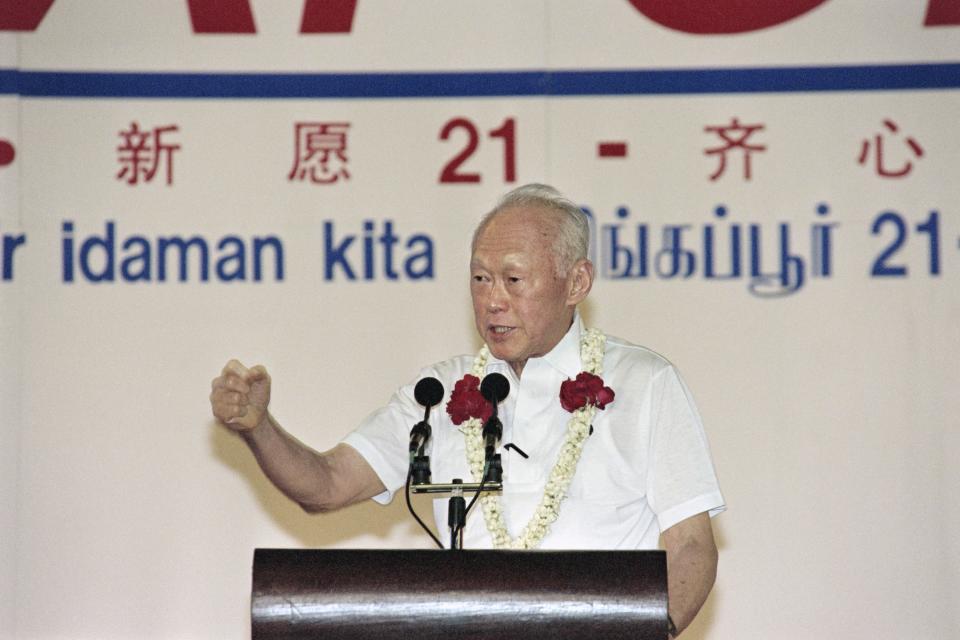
x=299, y=472
x=691, y=568
x=691, y=576
x=316, y=481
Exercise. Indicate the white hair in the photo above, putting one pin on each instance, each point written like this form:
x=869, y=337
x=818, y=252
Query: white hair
x=573, y=230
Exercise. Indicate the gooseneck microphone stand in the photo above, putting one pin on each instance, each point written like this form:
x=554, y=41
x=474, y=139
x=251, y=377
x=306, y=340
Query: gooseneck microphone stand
x=419, y=477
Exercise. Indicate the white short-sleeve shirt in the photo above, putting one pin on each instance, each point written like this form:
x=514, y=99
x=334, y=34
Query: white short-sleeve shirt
x=646, y=467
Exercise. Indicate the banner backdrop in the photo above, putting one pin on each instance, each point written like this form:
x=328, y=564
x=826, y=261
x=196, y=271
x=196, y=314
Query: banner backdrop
x=773, y=193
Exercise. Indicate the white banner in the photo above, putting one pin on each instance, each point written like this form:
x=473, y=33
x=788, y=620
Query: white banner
x=775, y=209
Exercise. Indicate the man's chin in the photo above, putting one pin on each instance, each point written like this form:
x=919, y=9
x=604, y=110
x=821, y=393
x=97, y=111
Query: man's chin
x=501, y=352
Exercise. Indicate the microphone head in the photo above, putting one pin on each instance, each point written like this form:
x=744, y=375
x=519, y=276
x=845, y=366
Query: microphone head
x=428, y=392
x=495, y=387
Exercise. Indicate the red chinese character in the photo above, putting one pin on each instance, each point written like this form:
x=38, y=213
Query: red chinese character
x=734, y=136
x=882, y=171
x=142, y=152
x=321, y=152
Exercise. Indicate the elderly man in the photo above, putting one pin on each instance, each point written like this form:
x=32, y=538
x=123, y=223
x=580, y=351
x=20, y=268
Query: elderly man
x=629, y=476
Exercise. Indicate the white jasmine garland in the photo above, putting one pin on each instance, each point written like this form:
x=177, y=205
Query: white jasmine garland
x=592, y=347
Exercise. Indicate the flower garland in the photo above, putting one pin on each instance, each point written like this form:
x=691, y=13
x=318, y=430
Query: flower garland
x=592, y=347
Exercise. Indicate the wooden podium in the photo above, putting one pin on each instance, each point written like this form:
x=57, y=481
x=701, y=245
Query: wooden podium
x=453, y=595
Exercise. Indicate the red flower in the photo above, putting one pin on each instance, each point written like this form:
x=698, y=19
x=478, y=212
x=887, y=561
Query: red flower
x=586, y=389
x=467, y=402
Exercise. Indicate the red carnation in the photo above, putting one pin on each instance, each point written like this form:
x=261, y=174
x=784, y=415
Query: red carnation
x=467, y=402
x=586, y=389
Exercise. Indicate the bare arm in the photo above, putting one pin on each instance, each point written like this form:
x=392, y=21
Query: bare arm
x=316, y=481
x=691, y=567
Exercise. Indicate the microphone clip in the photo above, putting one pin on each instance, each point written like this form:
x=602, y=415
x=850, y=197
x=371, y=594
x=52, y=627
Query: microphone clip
x=492, y=433
x=420, y=471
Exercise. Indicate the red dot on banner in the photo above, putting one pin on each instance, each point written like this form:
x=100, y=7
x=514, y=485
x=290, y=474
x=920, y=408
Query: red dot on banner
x=7, y=153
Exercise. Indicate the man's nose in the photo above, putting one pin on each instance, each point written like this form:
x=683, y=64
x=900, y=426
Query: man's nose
x=497, y=300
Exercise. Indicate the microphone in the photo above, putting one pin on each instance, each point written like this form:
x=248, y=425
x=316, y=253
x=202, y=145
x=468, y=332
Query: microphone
x=428, y=392
x=495, y=387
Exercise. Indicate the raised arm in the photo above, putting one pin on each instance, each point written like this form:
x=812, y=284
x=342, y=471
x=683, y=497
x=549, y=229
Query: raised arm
x=316, y=481
x=691, y=567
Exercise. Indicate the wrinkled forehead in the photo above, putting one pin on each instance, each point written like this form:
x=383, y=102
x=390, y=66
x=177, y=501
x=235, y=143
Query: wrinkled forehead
x=527, y=245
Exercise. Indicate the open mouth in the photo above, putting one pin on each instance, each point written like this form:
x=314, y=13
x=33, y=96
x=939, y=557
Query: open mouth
x=499, y=330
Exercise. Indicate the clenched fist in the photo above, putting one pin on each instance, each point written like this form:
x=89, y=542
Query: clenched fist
x=240, y=396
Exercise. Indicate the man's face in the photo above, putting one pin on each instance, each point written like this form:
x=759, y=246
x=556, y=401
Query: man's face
x=521, y=307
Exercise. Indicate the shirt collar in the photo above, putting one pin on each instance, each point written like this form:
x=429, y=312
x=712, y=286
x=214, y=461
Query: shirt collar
x=564, y=357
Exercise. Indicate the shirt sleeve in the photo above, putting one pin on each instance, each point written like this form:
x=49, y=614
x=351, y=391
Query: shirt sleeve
x=383, y=440
x=681, y=480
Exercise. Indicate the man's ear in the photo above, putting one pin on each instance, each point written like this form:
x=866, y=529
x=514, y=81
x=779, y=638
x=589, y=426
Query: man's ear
x=580, y=281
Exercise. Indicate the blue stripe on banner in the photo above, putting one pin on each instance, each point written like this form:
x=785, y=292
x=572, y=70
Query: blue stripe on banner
x=479, y=84
x=8, y=81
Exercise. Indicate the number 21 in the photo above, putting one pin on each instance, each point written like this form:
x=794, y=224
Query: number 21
x=452, y=173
